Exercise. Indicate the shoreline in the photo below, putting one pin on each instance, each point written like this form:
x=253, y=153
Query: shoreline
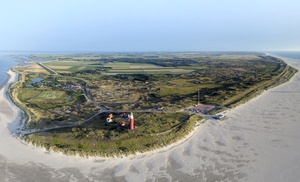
x=12, y=78
x=242, y=143
x=11, y=73
x=6, y=80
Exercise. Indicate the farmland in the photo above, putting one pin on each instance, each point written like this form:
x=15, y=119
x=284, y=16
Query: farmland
x=129, y=68
x=70, y=66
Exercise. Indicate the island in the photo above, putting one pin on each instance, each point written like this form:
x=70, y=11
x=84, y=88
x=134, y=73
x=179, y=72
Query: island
x=117, y=104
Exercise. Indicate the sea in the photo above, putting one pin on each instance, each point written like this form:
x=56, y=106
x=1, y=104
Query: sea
x=11, y=59
x=287, y=54
x=8, y=60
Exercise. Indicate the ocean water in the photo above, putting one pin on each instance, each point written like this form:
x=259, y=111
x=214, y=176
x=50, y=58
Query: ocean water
x=288, y=54
x=6, y=62
x=11, y=59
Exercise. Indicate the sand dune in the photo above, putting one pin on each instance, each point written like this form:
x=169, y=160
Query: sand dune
x=258, y=142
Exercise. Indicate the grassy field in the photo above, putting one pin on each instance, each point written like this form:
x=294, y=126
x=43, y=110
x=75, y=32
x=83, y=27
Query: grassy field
x=71, y=66
x=128, y=66
x=98, y=138
x=139, y=68
x=40, y=96
x=192, y=67
x=113, y=68
x=178, y=90
x=181, y=87
x=148, y=71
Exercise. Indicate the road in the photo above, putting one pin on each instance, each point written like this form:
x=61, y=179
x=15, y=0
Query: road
x=103, y=109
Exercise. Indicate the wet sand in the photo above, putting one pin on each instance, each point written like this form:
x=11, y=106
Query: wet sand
x=5, y=82
x=258, y=142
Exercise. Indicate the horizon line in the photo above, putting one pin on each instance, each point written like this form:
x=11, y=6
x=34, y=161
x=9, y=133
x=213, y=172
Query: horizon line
x=99, y=52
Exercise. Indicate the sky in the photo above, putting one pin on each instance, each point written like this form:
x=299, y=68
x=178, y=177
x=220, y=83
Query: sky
x=149, y=25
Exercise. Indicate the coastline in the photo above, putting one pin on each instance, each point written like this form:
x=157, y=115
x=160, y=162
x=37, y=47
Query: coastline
x=5, y=82
x=14, y=128
x=12, y=78
x=247, y=147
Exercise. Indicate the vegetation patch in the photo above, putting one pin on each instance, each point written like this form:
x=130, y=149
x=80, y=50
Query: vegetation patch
x=98, y=138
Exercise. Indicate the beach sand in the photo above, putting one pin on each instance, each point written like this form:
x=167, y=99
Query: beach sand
x=258, y=142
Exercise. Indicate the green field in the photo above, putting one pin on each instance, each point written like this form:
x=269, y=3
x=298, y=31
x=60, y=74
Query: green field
x=114, y=67
x=128, y=66
x=71, y=66
x=42, y=100
x=141, y=68
x=148, y=71
x=192, y=67
x=176, y=90
x=97, y=138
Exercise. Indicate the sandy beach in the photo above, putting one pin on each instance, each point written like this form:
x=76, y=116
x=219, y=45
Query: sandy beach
x=258, y=142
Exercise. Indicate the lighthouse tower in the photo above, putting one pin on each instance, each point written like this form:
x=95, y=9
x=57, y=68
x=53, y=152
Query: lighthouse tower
x=131, y=122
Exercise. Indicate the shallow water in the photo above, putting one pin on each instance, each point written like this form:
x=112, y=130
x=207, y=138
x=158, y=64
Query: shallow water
x=293, y=55
x=6, y=62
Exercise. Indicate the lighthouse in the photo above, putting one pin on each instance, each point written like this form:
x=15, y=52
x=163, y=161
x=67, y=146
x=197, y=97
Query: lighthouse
x=131, y=122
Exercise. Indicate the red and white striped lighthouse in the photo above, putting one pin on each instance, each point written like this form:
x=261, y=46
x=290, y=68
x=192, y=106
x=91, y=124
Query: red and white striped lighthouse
x=131, y=122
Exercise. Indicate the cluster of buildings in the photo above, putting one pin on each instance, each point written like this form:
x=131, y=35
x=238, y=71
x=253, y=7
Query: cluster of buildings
x=70, y=86
x=123, y=123
x=201, y=108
